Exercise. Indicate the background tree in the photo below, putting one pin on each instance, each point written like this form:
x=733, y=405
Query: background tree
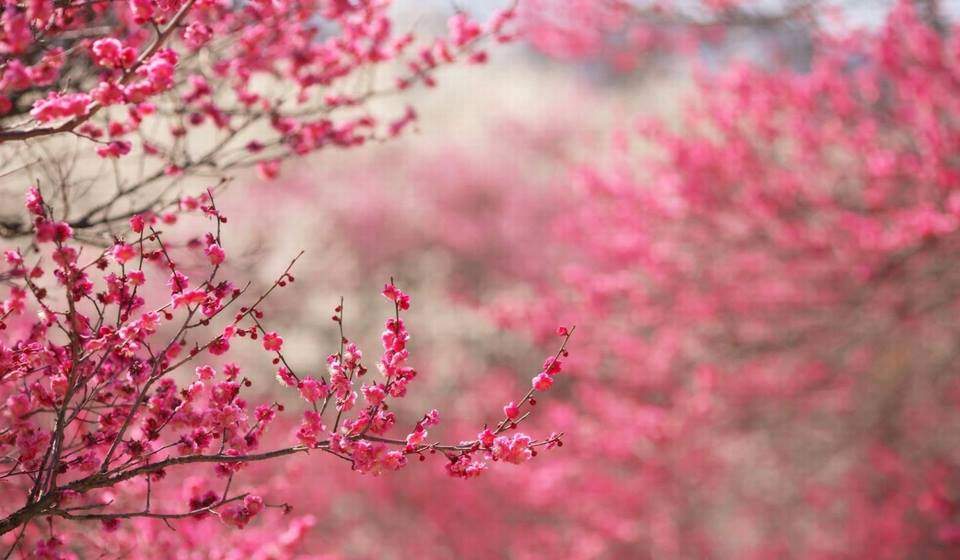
x=766, y=307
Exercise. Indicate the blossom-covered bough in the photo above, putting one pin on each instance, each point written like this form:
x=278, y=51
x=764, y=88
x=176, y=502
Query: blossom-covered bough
x=118, y=400
x=154, y=95
x=113, y=377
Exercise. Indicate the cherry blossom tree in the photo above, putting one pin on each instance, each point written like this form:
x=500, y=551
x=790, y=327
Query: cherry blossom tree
x=767, y=305
x=765, y=294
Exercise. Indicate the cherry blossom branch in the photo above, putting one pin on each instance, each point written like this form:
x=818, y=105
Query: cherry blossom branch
x=69, y=126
